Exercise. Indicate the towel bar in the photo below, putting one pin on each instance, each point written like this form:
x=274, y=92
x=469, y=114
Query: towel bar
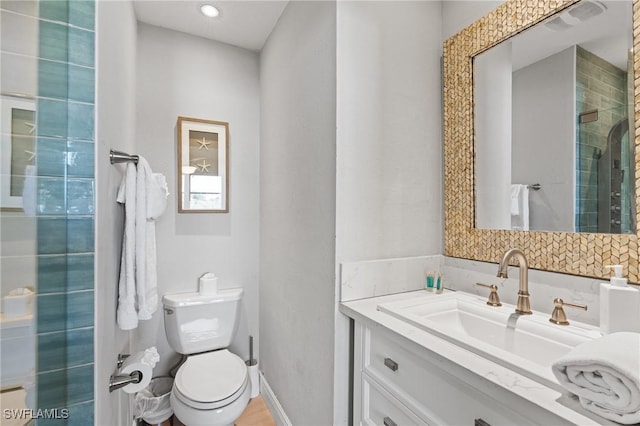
x=121, y=157
x=117, y=382
x=535, y=186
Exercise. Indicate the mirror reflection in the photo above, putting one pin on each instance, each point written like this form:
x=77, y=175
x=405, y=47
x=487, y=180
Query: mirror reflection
x=554, y=149
x=18, y=222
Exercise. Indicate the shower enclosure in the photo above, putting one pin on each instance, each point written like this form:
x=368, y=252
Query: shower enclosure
x=606, y=166
x=605, y=145
x=47, y=212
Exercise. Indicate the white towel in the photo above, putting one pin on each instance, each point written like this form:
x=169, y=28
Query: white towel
x=127, y=314
x=144, y=194
x=605, y=375
x=157, y=196
x=519, y=207
x=150, y=204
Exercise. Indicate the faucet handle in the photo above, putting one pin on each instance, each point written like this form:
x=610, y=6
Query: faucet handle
x=558, y=316
x=494, y=299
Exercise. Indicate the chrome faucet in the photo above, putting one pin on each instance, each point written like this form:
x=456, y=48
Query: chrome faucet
x=522, y=305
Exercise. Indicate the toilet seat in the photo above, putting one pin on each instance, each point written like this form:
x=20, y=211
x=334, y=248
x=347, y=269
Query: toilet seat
x=211, y=380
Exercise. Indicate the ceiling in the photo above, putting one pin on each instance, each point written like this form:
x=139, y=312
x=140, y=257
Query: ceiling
x=242, y=23
x=607, y=35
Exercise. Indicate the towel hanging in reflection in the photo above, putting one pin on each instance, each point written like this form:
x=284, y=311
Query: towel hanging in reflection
x=519, y=207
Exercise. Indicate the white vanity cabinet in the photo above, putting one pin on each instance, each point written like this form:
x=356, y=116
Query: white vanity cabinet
x=397, y=382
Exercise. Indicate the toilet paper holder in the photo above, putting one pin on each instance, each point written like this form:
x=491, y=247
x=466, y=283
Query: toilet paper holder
x=121, y=358
x=119, y=381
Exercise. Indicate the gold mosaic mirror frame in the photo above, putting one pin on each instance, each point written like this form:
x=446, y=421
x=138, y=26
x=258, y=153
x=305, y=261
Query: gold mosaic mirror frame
x=571, y=253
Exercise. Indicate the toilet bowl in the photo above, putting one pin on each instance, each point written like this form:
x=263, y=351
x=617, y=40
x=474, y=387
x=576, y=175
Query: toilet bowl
x=210, y=389
x=212, y=386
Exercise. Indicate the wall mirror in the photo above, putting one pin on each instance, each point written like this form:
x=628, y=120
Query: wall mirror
x=564, y=86
x=489, y=131
x=203, y=166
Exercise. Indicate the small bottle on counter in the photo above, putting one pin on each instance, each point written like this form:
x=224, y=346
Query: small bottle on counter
x=433, y=282
x=439, y=284
x=430, y=280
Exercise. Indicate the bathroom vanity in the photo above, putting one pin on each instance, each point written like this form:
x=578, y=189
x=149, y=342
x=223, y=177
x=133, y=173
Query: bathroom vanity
x=406, y=372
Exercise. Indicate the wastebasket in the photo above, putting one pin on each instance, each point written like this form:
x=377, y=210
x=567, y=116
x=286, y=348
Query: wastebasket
x=152, y=403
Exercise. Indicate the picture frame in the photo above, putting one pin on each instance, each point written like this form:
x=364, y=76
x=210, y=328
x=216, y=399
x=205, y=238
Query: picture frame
x=18, y=150
x=203, y=165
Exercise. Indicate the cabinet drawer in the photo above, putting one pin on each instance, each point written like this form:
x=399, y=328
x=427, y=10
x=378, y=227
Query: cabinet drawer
x=380, y=408
x=423, y=385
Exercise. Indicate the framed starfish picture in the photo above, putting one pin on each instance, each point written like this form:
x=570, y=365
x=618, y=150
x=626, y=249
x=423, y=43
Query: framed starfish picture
x=203, y=166
x=18, y=182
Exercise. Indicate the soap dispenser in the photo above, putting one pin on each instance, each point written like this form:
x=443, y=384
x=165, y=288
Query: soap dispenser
x=619, y=304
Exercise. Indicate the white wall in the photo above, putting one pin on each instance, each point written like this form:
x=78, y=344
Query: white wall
x=18, y=231
x=456, y=15
x=543, y=97
x=389, y=185
x=389, y=145
x=492, y=121
x=18, y=259
x=183, y=75
x=297, y=221
x=116, y=89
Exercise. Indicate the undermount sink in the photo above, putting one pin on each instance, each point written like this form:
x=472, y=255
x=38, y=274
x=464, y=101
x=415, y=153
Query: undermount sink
x=527, y=344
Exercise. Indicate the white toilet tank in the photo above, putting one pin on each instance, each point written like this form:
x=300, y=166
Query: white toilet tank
x=17, y=351
x=195, y=322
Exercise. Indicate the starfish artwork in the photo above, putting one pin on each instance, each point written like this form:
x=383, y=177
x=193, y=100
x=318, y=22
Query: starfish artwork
x=204, y=144
x=204, y=166
x=31, y=126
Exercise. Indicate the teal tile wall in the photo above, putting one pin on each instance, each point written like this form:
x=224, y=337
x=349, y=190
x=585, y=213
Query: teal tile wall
x=64, y=349
x=65, y=311
x=601, y=86
x=78, y=415
x=65, y=209
x=52, y=154
x=80, y=157
x=61, y=388
x=65, y=272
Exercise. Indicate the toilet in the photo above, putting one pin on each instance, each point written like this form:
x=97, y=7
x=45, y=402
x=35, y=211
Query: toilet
x=212, y=386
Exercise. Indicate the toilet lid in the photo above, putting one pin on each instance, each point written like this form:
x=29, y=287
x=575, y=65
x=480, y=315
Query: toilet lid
x=211, y=376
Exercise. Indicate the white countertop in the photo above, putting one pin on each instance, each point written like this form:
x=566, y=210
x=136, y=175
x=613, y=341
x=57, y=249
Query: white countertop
x=562, y=405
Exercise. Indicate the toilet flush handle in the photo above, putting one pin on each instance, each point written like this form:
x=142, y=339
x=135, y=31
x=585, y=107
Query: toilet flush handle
x=168, y=311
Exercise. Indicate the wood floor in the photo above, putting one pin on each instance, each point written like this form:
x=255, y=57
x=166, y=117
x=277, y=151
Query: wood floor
x=256, y=414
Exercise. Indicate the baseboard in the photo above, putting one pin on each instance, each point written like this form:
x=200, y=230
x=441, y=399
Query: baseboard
x=279, y=416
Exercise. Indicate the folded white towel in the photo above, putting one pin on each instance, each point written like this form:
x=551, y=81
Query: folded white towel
x=605, y=375
x=144, y=194
x=127, y=314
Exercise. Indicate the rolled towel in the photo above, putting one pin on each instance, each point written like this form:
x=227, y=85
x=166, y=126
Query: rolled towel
x=605, y=375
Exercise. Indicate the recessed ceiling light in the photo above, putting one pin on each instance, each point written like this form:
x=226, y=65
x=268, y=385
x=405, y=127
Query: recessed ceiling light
x=209, y=10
